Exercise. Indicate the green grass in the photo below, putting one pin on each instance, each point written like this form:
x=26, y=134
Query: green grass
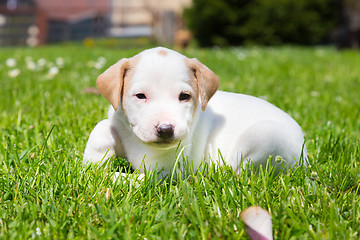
x=46, y=193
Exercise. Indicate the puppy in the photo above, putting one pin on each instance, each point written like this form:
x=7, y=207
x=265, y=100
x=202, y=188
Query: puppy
x=162, y=100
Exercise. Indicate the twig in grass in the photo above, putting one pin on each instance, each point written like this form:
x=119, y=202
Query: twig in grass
x=352, y=187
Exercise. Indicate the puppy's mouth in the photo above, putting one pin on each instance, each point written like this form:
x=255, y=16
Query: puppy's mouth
x=164, y=144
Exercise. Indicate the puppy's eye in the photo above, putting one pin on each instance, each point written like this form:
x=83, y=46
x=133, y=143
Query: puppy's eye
x=184, y=96
x=140, y=96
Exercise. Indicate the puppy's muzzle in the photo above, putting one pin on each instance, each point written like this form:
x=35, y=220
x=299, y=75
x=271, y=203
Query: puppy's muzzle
x=165, y=132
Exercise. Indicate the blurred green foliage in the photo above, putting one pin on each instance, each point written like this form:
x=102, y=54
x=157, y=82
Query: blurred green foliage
x=264, y=22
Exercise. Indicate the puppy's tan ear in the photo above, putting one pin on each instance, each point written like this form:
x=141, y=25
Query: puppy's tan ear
x=110, y=82
x=207, y=81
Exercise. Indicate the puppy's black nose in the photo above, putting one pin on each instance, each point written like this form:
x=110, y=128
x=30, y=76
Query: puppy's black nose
x=165, y=131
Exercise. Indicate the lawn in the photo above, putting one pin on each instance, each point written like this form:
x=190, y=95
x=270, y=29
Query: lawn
x=49, y=107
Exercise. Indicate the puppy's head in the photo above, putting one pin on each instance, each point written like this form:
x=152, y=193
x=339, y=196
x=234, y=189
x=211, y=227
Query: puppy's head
x=159, y=91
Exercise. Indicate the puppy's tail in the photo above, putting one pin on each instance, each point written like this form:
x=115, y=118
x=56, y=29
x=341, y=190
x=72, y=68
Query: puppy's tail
x=111, y=111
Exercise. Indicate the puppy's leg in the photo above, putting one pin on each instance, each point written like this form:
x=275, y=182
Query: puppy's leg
x=102, y=144
x=268, y=138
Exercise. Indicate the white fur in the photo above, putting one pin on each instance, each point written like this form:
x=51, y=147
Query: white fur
x=240, y=126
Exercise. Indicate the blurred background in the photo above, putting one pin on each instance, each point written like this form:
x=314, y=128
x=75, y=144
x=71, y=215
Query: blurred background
x=178, y=23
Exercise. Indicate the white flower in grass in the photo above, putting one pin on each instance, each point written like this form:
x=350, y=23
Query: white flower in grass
x=31, y=65
x=14, y=73
x=38, y=232
x=338, y=98
x=102, y=60
x=98, y=65
x=41, y=62
x=53, y=71
x=59, y=62
x=314, y=93
x=10, y=62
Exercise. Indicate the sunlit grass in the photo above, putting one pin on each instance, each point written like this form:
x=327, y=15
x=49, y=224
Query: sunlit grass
x=49, y=107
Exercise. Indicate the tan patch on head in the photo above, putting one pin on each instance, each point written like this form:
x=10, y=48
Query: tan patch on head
x=115, y=82
x=207, y=82
x=162, y=53
x=110, y=82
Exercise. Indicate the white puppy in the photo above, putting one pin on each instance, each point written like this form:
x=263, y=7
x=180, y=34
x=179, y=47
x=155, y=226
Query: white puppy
x=160, y=99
